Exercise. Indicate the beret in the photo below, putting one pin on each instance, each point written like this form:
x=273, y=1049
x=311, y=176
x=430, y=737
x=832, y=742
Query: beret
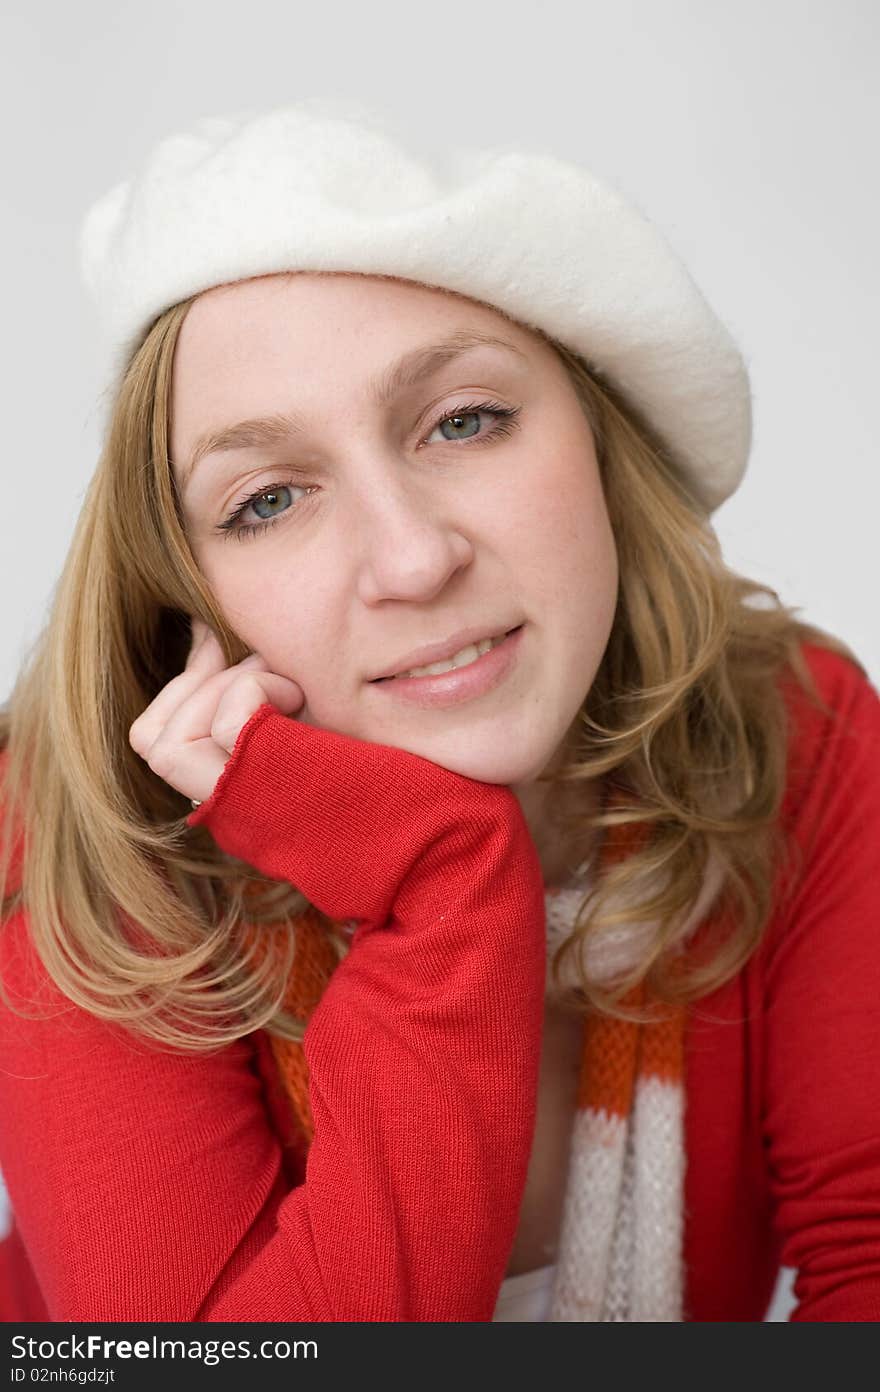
x=313, y=187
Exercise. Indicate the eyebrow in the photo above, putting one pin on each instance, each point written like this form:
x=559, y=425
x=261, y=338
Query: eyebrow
x=408, y=371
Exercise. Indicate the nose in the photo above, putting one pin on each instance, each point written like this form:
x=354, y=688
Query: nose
x=409, y=546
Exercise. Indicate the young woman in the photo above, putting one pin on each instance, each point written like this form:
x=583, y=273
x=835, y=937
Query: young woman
x=435, y=888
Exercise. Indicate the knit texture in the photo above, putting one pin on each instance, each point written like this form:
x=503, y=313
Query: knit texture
x=620, y=1246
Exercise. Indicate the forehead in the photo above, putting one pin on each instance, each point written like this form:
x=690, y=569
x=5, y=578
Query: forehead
x=303, y=310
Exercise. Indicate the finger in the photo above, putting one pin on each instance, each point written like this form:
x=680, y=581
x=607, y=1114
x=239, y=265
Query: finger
x=163, y=715
x=198, y=632
x=203, y=641
x=243, y=697
x=199, y=767
x=203, y=664
x=171, y=754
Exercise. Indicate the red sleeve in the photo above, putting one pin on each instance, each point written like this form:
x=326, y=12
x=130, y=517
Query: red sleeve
x=149, y=1185
x=822, y=1071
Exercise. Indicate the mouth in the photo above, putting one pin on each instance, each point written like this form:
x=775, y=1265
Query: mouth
x=471, y=672
x=467, y=655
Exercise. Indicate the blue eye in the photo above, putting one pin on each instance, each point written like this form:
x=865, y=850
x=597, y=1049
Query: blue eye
x=460, y=423
x=462, y=420
x=270, y=497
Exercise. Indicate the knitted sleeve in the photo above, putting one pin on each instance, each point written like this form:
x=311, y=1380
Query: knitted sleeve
x=149, y=1185
x=822, y=1017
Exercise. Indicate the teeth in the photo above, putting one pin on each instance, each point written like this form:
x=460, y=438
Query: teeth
x=459, y=659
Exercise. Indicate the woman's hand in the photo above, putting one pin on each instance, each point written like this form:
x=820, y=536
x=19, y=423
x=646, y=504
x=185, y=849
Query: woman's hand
x=188, y=732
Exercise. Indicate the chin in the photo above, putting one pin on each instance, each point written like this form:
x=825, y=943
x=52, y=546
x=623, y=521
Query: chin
x=483, y=765
x=484, y=760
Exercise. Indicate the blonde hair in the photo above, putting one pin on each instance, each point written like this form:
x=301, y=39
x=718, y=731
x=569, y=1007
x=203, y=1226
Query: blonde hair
x=146, y=922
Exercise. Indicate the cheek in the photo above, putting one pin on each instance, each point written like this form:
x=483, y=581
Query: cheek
x=289, y=623
x=294, y=616
x=560, y=526
x=574, y=569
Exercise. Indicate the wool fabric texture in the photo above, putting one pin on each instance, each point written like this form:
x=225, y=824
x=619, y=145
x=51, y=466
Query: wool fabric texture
x=621, y=1240
x=542, y=239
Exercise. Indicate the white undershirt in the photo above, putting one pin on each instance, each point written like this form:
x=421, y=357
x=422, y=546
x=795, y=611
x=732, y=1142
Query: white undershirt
x=525, y=1297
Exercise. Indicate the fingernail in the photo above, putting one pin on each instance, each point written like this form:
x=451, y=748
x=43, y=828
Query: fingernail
x=253, y=661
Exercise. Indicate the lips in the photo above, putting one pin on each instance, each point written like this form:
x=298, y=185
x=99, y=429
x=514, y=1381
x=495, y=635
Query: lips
x=442, y=651
x=458, y=686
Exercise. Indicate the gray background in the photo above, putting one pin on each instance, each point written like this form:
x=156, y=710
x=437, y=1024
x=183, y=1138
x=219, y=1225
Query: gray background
x=748, y=133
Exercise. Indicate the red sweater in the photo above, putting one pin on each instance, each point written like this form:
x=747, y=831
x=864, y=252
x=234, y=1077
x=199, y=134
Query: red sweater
x=151, y=1186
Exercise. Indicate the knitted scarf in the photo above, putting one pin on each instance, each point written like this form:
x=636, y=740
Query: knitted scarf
x=620, y=1254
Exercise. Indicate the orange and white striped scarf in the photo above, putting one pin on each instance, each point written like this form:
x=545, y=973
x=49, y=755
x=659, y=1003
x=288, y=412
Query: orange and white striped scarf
x=620, y=1254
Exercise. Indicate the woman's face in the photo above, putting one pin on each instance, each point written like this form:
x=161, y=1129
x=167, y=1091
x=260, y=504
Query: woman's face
x=394, y=520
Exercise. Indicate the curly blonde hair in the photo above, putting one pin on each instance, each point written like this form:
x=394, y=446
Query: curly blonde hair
x=146, y=922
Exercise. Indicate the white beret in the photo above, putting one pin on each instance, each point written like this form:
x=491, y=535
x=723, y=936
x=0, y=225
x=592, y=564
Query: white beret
x=307, y=188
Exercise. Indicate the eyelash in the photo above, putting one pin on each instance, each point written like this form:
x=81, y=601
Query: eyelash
x=505, y=424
